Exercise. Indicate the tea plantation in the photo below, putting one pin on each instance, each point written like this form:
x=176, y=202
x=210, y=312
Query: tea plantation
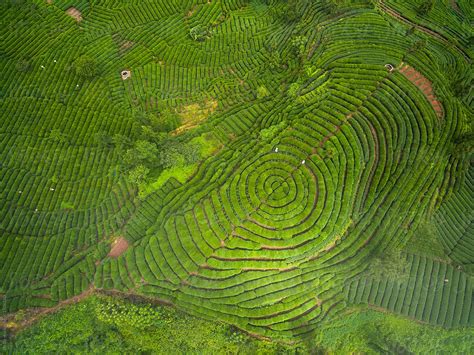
x=270, y=164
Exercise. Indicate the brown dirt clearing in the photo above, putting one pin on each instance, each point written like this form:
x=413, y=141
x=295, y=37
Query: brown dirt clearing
x=424, y=85
x=119, y=246
x=74, y=13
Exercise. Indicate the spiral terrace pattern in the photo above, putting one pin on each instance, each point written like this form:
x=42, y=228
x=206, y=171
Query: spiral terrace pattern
x=267, y=234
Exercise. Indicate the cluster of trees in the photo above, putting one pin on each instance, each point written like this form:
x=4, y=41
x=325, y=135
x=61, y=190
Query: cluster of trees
x=371, y=332
x=295, y=10
x=298, y=47
x=267, y=134
x=152, y=147
x=462, y=84
x=103, y=324
x=464, y=144
x=425, y=7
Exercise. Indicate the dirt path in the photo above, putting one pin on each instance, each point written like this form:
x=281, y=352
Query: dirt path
x=440, y=37
x=34, y=314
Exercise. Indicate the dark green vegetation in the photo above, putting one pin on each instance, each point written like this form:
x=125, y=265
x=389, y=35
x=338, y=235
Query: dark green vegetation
x=266, y=167
x=103, y=324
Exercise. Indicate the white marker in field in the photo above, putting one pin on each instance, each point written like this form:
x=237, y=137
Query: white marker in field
x=42, y=67
x=55, y=61
x=304, y=161
x=276, y=150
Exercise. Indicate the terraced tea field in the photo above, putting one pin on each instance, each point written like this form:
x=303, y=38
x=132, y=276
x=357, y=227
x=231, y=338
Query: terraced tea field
x=336, y=131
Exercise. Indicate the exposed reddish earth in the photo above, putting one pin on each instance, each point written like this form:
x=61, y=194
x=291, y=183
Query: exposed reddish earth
x=424, y=85
x=118, y=247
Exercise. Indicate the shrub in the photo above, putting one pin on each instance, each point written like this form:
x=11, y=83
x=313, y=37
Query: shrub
x=138, y=174
x=86, y=67
x=293, y=90
x=143, y=152
x=269, y=133
x=262, y=92
x=425, y=7
x=298, y=46
x=200, y=33
x=295, y=9
x=23, y=65
x=179, y=154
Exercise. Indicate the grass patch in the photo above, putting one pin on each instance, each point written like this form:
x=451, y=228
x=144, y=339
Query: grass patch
x=425, y=241
x=193, y=114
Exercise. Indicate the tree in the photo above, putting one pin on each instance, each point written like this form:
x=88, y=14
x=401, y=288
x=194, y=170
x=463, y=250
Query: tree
x=179, y=154
x=151, y=124
x=138, y=174
x=462, y=84
x=464, y=144
x=332, y=7
x=120, y=142
x=262, y=92
x=57, y=136
x=267, y=134
x=165, y=121
x=295, y=10
x=142, y=153
x=420, y=44
x=23, y=65
x=86, y=67
x=425, y=7
x=293, y=90
x=298, y=47
x=410, y=31
x=102, y=139
x=200, y=33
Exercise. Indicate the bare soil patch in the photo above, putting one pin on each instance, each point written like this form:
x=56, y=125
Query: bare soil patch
x=425, y=87
x=74, y=13
x=119, y=246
